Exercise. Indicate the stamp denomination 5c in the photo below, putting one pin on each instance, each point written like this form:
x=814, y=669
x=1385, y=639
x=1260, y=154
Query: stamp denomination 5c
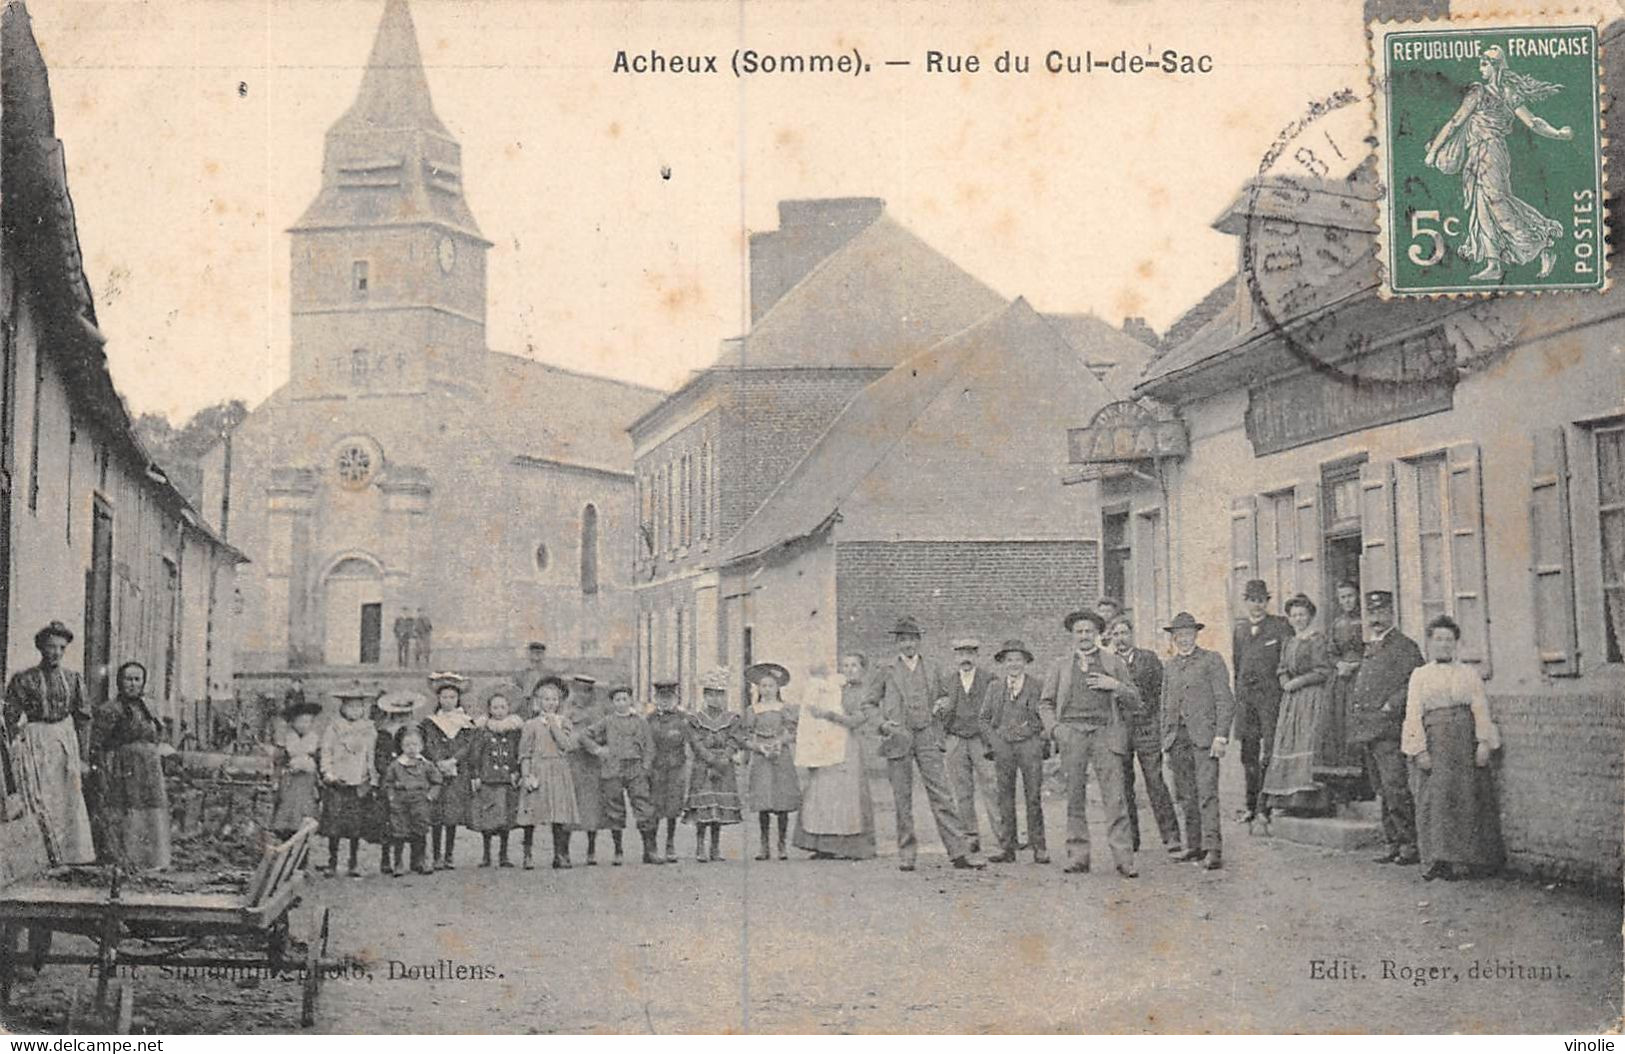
x=1489, y=133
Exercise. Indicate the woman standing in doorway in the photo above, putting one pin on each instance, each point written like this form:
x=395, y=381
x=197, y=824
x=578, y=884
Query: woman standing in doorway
x=1304, y=671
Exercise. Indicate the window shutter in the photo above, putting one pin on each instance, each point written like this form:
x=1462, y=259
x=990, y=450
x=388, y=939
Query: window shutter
x=1470, y=599
x=1379, y=563
x=1243, y=549
x=1551, y=555
x=1306, y=505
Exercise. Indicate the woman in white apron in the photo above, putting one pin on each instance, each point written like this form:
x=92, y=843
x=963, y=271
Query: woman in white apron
x=47, y=717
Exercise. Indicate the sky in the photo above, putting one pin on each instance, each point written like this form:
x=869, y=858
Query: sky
x=193, y=135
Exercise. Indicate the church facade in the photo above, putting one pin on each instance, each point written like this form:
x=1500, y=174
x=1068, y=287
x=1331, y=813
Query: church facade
x=406, y=474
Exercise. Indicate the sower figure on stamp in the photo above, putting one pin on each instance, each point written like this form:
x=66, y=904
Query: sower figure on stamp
x=1255, y=654
x=968, y=764
x=1087, y=708
x=1014, y=732
x=1145, y=738
x=912, y=701
x=1197, y=710
x=1376, y=719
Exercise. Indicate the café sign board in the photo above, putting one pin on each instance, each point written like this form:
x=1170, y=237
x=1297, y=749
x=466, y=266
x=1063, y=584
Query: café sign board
x=1127, y=431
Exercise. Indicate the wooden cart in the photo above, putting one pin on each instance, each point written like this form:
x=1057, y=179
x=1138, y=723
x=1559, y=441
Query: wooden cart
x=175, y=925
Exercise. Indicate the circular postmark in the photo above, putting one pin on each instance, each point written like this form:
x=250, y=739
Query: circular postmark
x=1308, y=227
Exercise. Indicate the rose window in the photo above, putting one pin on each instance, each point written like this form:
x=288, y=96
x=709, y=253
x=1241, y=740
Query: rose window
x=355, y=466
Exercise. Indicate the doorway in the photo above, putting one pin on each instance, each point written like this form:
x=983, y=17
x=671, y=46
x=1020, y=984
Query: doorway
x=353, y=606
x=99, y=600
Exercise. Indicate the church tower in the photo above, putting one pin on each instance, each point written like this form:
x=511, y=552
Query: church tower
x=388, y=268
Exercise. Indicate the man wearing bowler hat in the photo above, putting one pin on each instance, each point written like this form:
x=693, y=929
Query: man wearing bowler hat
x=913, y=700
x=968, y=766
x=1197, y=710
x=1014, y=733
x=1376, y=716
x=1087, y=706
x=1255, y=655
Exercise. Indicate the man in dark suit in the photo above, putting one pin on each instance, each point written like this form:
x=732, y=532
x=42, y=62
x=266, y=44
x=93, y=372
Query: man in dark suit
x=1014, y=732
x=1255, y=655
x=1145, y=738
x=1376, y=716
x=968, y=766
x=1087, y=705
x=1197, y=710
x=912, y=701
x=405, y=626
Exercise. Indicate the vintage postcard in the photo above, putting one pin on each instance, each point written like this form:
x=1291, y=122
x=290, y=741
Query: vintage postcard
x=754, y=516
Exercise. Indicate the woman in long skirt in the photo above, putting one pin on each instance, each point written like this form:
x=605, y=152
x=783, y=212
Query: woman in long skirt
x=48, y=715
x=713, y=781
x=837, y=817
x=448, y=736
x=1335, y=757
x=770, y=736
x=1449, y=731
x=584, y=710
x=1305, y=669
x=547, y=794
x=125, y=741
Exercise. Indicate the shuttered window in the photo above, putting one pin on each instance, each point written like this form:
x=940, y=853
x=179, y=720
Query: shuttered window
x=1440, y=545
x=1379, y=567
x=1551, y=555
x=1243, y=548
x=1610, y=444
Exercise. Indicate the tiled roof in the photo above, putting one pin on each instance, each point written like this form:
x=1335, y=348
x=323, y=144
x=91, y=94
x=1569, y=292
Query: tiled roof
x=880, y=298
x=548, y=413
x=931, y=416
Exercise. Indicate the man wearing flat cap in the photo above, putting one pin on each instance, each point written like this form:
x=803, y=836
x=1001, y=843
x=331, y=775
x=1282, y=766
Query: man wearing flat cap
x=968, y=766
x=535, y=669
x=1255, y=656
x=1087, y=706
x=1197, y=711
x=1376, y=717
x=47, y=718
x=912, y=700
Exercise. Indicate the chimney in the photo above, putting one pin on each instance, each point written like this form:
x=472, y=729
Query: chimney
x=809, y=231
x=1136, y=328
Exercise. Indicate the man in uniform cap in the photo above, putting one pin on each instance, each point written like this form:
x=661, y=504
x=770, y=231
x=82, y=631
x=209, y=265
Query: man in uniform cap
x=1197, y=711
x=912, y=700
x=1255, y=655
x=1376, y=717
x=968, y=765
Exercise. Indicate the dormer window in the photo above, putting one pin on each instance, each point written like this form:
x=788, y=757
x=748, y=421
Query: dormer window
x=358, y=279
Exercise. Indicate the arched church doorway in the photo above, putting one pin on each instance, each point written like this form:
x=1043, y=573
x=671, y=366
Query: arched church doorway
x=353, y=605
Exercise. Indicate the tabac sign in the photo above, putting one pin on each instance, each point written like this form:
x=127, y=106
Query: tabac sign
x=1127, y=431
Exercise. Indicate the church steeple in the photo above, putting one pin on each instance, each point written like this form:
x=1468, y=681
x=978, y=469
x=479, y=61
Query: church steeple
x=389, y=160
x=388, y=269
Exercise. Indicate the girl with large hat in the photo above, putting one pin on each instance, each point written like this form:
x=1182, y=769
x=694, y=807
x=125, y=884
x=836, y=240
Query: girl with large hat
x=448, y=738
x=297, y=791
x=770, y=736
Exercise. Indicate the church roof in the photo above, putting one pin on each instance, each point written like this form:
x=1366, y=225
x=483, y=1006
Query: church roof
x=981, y=413
x=389, y=160
x=881, y=297
x=550, y=414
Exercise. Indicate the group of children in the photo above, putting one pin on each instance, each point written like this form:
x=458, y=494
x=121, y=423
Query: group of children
x=570, y=764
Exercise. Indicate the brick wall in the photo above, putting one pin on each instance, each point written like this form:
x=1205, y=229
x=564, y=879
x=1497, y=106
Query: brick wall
x=992, y=590
x=773, y=419
x=1560, y=784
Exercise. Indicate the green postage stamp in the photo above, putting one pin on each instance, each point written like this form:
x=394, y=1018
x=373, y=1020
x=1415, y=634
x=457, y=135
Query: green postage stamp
x=1490, y=136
